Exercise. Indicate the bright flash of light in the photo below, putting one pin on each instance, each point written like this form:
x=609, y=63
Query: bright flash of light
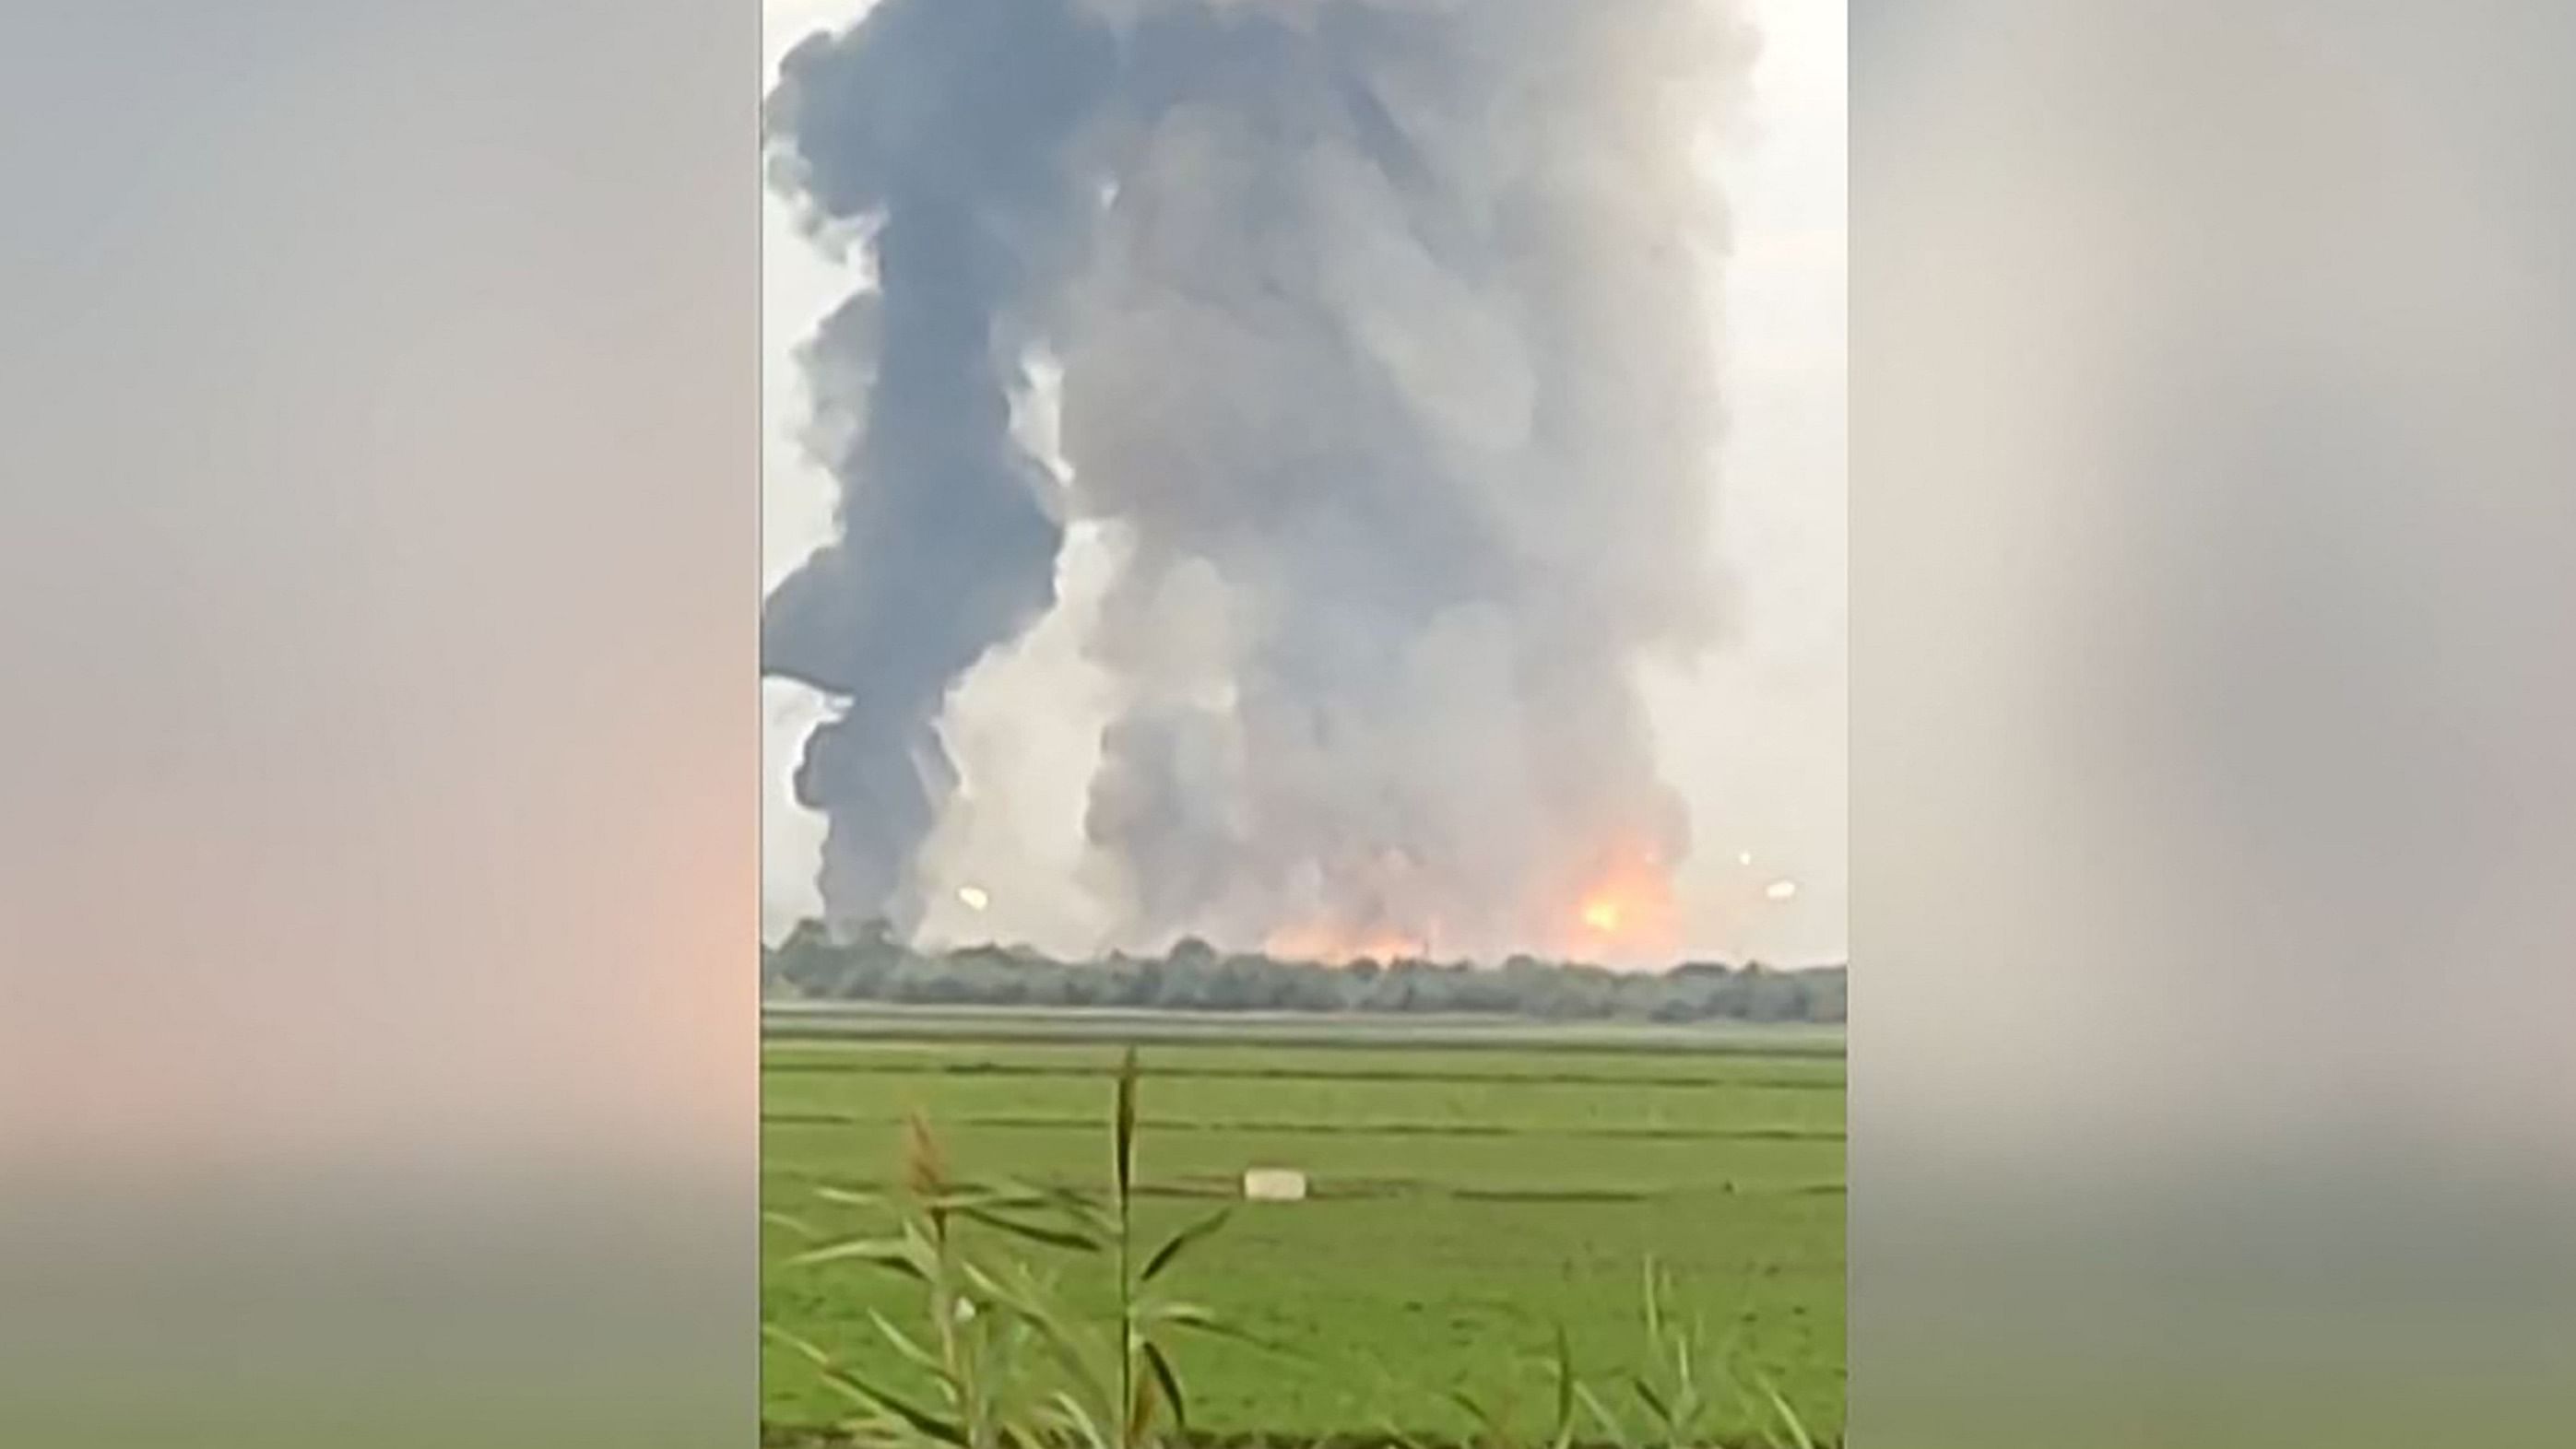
x=974, y=897
x=1781, y=890
x=1627, y=910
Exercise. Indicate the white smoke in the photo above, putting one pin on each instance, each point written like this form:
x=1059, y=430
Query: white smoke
x=1387, y=365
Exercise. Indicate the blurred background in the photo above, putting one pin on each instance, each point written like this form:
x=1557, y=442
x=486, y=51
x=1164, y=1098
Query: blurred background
x=2211, y=755
x=378, y=569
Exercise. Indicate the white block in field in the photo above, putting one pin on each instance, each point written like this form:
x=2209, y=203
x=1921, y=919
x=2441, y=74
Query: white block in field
x=1274, y=1184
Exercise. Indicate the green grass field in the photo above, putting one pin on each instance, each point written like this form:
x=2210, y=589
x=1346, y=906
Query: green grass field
x=1472, y=1193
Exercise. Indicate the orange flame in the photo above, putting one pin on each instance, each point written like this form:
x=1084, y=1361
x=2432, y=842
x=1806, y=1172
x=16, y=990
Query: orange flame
x=1338, y=946
x=1622, y=912
x=1626, y=910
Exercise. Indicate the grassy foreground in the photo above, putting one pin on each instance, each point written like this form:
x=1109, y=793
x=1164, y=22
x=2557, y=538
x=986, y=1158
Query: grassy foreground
x=1471, y=1198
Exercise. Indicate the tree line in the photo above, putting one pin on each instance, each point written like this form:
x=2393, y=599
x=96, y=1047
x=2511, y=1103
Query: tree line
x=1194, y=976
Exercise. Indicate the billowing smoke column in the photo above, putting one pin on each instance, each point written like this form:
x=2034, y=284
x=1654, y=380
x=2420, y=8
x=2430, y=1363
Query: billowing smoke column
x=1386, y=337
x=938, y=130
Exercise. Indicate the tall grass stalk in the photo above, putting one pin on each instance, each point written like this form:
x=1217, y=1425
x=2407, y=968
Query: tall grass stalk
x=1011, y=1368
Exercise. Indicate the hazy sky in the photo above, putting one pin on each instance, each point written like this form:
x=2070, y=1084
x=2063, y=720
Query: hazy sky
x=1754, y=738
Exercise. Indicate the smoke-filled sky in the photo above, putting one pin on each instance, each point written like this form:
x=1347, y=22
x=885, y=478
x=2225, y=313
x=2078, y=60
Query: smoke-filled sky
x=1053, y=834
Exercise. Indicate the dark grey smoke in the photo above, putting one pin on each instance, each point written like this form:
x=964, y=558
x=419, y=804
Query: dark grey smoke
x=939, y=130
x=1387, y=335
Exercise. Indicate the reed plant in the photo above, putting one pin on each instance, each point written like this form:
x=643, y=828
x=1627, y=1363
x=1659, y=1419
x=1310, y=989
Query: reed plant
x=1009, y=1364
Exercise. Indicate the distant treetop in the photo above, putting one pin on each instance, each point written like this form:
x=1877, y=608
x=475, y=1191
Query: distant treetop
x=873, y=966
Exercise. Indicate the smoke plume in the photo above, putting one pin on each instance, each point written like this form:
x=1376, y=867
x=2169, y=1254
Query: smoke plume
x=1386, y=331
x=935, y=134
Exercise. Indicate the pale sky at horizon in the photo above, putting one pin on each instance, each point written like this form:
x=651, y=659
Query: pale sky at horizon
x=1755, y=737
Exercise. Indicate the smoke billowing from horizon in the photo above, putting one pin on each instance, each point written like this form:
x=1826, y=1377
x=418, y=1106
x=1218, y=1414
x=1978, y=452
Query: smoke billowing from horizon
x=1386, y=337
x=934, y=136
